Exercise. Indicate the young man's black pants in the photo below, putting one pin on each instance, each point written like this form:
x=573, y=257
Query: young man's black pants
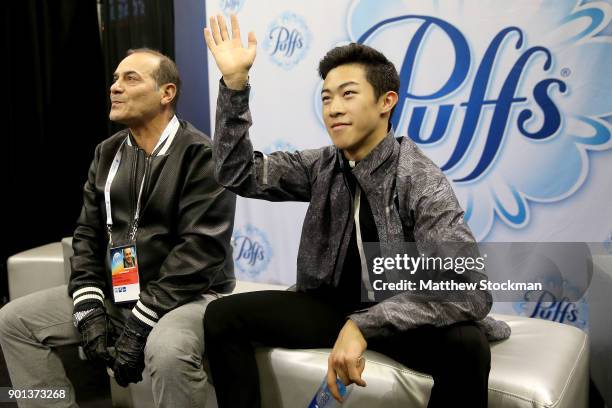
x=458, y=357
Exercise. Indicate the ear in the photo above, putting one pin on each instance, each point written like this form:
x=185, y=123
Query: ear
x=387, y=101
x=168, y=92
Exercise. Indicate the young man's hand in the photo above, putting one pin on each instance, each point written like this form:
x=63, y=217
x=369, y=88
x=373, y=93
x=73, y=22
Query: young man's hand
x=233, y=60
x=346, y=361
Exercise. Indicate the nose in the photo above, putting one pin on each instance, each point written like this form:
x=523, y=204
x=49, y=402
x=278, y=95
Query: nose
x=336, y=107
x=115, y=87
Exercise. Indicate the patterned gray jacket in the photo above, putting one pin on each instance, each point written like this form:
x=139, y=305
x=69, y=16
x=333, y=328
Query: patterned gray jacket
x=410, y=198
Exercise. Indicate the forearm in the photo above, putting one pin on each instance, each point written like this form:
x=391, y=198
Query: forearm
x=279, y=176
x=235, y=167
x=400, y=313
x=89, y=240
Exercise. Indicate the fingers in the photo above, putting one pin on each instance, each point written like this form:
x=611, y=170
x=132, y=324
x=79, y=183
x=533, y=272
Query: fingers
x=214, y=28
x=252, y=42
x=355, y=368
x=217, y=31
x=209, y=39
x=341, y=371
x=348, y=369
x=331, y=382
x=235, y=26
x=223, y=28
x=120, y=376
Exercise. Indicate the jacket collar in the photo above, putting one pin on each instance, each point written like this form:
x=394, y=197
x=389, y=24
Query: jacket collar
x=166, y=138
x=374, y=159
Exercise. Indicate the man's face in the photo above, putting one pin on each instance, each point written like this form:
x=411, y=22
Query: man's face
x=135, y=96
x=127, y=253
x=350, y=111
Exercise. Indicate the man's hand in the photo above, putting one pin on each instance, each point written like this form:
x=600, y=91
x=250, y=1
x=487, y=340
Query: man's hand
x=233, y=60
x=93, y=324
x=129, y=360
x=346, y=361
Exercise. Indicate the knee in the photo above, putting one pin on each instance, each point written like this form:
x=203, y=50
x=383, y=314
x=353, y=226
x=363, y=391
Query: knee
x=467, y=347
x=169, y=352
x=9, y=319
x=219, y=319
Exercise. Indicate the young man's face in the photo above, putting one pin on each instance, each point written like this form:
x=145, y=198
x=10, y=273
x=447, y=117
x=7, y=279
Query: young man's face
x=135, y=96
x=351, y=112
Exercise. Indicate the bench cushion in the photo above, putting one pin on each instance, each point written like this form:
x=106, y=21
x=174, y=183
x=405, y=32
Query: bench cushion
x=543, y=364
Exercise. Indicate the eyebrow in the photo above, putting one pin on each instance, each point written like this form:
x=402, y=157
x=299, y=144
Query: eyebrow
x=116, y=74
x=343, y=85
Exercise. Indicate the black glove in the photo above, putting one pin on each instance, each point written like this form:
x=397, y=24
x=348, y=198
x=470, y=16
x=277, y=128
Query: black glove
x=91, y=321
x=129, y=349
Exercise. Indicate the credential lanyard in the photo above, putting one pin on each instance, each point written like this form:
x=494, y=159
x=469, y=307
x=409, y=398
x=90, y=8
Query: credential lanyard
x=170, y=130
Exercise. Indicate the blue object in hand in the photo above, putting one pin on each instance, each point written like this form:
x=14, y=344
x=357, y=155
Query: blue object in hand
x=324, y=398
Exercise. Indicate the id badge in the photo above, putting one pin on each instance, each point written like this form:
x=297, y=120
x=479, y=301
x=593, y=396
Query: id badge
x=124, y=273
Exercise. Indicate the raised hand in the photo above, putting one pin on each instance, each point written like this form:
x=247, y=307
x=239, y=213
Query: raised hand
x=233, y=60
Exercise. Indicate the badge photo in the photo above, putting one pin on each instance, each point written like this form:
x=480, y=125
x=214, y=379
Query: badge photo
x=124, y=273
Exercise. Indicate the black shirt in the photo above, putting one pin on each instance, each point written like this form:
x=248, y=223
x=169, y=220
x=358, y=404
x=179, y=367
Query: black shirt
x=351, y=290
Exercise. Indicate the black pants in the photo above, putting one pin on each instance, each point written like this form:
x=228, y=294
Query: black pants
x=458, y=357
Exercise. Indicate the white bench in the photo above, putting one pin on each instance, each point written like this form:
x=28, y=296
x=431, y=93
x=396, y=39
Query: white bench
x=542, y=364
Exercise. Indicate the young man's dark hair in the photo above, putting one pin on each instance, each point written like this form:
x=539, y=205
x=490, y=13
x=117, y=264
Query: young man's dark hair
x=166, y=73
x=380, y=72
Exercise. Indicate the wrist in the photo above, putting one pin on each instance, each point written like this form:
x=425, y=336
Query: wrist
x=135, y=326
x=87, y=311
x=237, y=81
x=87, y=295
x=356, y=332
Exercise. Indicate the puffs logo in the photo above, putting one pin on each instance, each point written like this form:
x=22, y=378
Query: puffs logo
x=508, y=104
x=288, y=39
x=231, y=6
x=252, y=250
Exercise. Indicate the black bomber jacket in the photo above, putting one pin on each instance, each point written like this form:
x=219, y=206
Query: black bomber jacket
x=185, y=227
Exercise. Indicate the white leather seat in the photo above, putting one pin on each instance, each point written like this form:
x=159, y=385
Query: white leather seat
x=542, y=364
x=35, y=269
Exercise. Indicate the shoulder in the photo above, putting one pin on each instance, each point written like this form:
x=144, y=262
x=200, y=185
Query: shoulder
x=190, y=135
x=190, y=141
x=419, y=178
x=106, y=149
x=112, y=143
x=415, y=165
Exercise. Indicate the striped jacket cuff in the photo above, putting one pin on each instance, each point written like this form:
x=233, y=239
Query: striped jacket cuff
x=145, y=315
x=87, y=293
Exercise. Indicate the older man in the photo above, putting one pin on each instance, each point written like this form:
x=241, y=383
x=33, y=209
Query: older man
x=150, y=192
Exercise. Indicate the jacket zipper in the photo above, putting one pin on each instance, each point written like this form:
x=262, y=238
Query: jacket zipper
x=346, y=224
x=140, y=203
x=133, y=192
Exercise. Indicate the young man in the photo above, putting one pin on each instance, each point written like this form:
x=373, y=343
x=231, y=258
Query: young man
x=151, y=200
x=368, y=187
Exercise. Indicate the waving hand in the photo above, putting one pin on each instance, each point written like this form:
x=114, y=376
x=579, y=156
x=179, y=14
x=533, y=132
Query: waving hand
x=233, y=60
